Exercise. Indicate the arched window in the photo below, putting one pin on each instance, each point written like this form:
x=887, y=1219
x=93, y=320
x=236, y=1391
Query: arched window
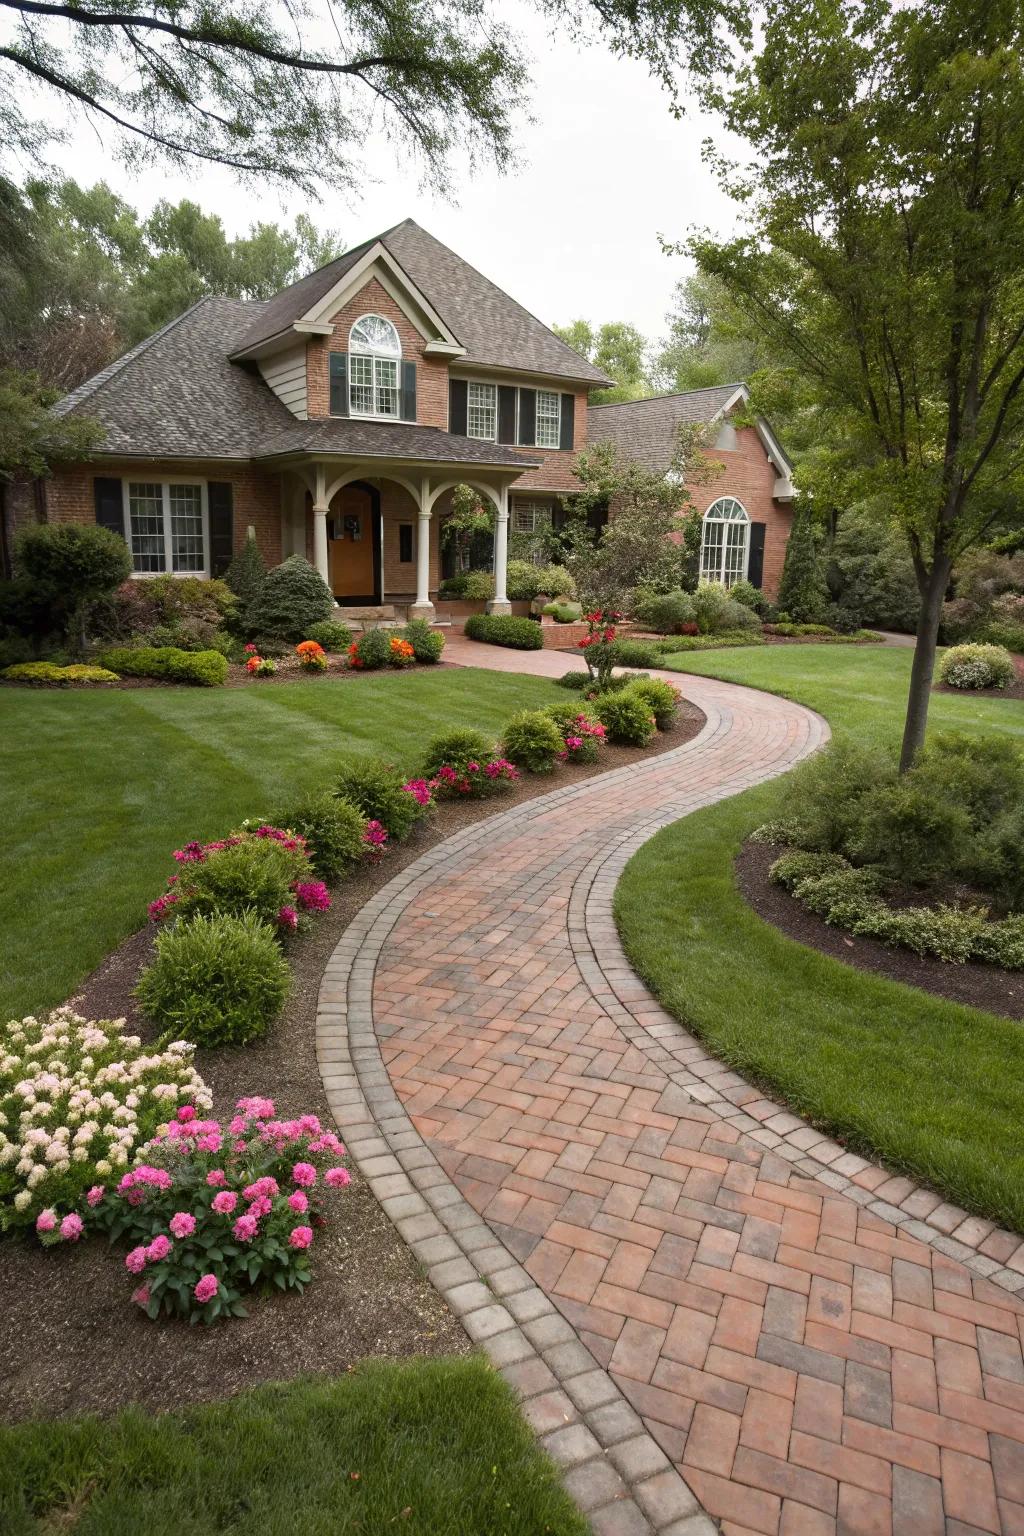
x=375, y=353
x=725, y=543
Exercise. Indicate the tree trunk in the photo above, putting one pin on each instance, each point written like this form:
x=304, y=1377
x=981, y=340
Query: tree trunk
x=932, y=595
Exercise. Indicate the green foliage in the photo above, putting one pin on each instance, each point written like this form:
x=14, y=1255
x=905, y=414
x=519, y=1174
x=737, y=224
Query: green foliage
x=716, y=612
x=34, y=441
x=183, y=611
x=456, y=749
x=205, y=669
x=1009, y=637
x=635, y=653
x=803, y=864
x=908, y=833
x=677, y=644
x=977, y=666
x=532, y=741
x=246, y=576
x=73, y=565
x=375, y=788
x=665, y=612
x=372, y=650
x=803, y=593
x=503, y=629
x=217, y=980
x=563, y=613
x=750, y=596
x=527, y=581
x=626, y=716
x=823, y=798
x=469, y=586
x=869, y=572
x=427, y=643
x=255, y=875
x=577, y=680
x=660, y=696
x=46, y=674
x=330, y=634
x=618, y=349
x=333, y=830
x=565, y=715
x=293, y=597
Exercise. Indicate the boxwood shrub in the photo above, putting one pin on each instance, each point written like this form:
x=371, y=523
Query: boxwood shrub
x=205, y=669
x=427, y=643
x=330, y=634
x=333, y=830
x=977, y=666
x=503, y=629
x=661, y=696
x=219, y=980
x=627, y=718
x=376, y=789
x=532, y=740
x=371, y=650
x=456, y=749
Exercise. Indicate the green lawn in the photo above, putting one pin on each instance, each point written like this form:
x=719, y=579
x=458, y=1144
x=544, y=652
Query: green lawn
x=435, y=1448
x=932, y=1089
x=96, y=789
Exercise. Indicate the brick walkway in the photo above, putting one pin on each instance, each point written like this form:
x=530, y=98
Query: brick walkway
x=719, y=1268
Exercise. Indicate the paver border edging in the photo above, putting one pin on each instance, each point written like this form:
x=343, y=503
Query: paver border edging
x=611, y=1466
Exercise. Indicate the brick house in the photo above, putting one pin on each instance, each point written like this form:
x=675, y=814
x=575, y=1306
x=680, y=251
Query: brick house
x=336, y=418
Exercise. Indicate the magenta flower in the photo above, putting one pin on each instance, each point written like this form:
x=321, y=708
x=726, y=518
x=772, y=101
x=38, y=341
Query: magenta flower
x=159, y=1248
x=256, y=1108
x=192, y=853
x=140, y=1296
x=265, y=1186
x=288, y=917
x=205, y=1289
x=304, y=1174
x=186, y=1113
x=135, y=1262
x=298, y=1203
x=300, y=1237
x=71, y=1228
x=419, y=789
x=261, y=1206
x=224, y=1202
x=182, y=1224
x=216, y=1178
x=46, y=1221
x=246, y=1228
x=375, y=835
x=338, y=1178
x=313, y=895
x=95, y=1194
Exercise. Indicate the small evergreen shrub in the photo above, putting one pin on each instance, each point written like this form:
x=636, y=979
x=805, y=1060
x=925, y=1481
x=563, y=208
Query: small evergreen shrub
x=330, y=634
x=44, y=673
x=664, y=612
x=532, y=741
x=750, y=596
x=456, y=749
x=427, y=643
x=215, y=980
x=563, y=613
x=370, y=651
x=577, y=681
x=737, y=616
x=469, y=586
x=976, y=666
x=525, y=581
x=294, y=596
x=803, y=592
x=709, y=607
x=678, y=644
x=825, y=795
x=661, y=696
x=503, y=629
x=333, y=831
x=911, y=835
x=1005, y=634
x=74, y=566
x=245, y=576
x=801, y=864
x=203, y=669
x=377, y=789
x=635, y=653
x=626, y=717
x=244, y=873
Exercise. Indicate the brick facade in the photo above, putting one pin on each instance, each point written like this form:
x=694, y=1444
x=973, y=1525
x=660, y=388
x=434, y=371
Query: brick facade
x=556, y=472
x=748, y=475
x=431, y=372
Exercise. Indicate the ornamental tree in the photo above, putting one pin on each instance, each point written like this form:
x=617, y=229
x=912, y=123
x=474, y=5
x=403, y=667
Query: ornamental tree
x=883, y=259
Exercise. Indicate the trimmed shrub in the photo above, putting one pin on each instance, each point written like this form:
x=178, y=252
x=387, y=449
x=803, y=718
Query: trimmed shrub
x=74, y=565
x=664, y=612
x=577, y=681
x=218, y=980
x=674, y=644
x=661, y=696
x=456, y=749
x=330, y=634
x=526, y=581
x=563, y=613
x=635, y=653
x=709, y=606
x=293, y=598
x=204, y=669
x=471, y=586
x=376, y=788
x=370, y=651
x=45, y=674
x=532, y=740
x=333, y=830
x=626, y=717
x=750, y=596
x=427, y=643
x=802, y=864
x=503, y=629
x=824, y=796
x=977, y=666
x=1002, y=943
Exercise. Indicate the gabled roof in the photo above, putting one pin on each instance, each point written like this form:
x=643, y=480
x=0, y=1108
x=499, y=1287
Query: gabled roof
x=492, y=329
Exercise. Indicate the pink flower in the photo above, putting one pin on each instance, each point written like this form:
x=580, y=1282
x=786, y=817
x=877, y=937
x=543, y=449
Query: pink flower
x=338, y=1178
x=256, y=1108
x=186, y=1113
x=224, y=1202
x=182, y=1224
x=135, y=1262
x=313, y=895
x=216, y=1178
x=46, y=1221
x=140, y=1296
x=71, y=1228
x=300, y=1237
x=298, y=1203
x=205, y=1289
x=246, y=1228
x=159, y=1248
x=261, y=1206
x=265, y=1186
x=419, y=789
x=95, y=1194
x=288, y=918
x=304, y=1174
x=375, y=835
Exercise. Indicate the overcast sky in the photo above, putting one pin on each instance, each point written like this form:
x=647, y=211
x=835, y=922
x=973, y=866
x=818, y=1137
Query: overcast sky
x=573, y=232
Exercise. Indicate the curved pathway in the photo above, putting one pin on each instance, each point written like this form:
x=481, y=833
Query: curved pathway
x=698, y=1297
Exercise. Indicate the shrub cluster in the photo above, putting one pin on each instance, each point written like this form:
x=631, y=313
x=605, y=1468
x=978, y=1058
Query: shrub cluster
x=525, y=581
x=626, y=716
x=581, y=731
x=563, y=613
x=264, y=870
x=665, y=612
x=333, y=830
x=470, y=586
x=184, y=611
x=378, y=648
x=45, y=674
x=330, y=634
x=456, y=749
x=660, y=696
x=532, y=740
x=503, y=629
x=379, y=791
x=204, y=669
x=976, y=666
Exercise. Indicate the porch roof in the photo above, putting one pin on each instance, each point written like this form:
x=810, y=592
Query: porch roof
x=357, y=439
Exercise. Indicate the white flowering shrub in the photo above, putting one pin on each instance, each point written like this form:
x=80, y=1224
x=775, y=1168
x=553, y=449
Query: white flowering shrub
x=977, y=666
x=77, y=1099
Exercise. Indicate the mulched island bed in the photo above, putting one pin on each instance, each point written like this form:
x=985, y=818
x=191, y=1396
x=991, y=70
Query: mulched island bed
x=70, y=1339
x=974, y=984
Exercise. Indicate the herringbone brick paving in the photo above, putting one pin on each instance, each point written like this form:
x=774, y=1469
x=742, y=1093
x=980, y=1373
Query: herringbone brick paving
x=808, y=1366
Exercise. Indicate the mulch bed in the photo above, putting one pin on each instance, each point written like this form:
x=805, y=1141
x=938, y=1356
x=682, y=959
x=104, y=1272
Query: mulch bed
x=1011, y=691
x=975, y=984
x=70, y=1339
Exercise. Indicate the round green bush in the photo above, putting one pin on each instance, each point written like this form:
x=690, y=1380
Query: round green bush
x=455, y=749
x=469, y=586
x=635, y=653
x=333, y=830
x=73, y=565
x=372, y=651
x=215, y=980
x=427, y=643
x=293, y=597
x=976, y=666
x=255, y=874
x=661, y=696
x=665, y=611
x=627, y=718
x=330, y=634
x=376, y=789
x=503, y=629
x=565, y=715
x=576, y=680
x=532, y=740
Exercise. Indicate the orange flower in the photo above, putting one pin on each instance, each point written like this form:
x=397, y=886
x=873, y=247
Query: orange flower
x=309, y=648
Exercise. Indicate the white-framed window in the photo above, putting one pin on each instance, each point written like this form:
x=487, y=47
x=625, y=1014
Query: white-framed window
x=549, y=419
x=167, y=524
x=482, y=411
x=530, y=516
x=725, y=542
x=375, y=356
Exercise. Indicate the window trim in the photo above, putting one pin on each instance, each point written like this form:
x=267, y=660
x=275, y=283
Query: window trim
x=556, y=395
x=395, y=359
x=725, y=523
x=492, y=436
x=536, y=504
x=165, y=482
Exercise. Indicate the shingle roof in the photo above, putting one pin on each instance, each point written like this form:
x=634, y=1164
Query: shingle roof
x=646, y=430
x=494, y=329
x=388, y=439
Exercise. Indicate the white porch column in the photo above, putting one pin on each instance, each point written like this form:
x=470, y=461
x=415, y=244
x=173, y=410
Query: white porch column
x=499, y=603
x=423, y=608
x=320, y=510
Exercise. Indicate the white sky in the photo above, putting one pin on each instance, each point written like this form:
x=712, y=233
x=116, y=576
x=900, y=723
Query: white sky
x=605, y=169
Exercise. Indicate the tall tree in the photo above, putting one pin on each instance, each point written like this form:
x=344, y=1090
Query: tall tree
x=708, y=342
x=616, y=347
x=885, y=261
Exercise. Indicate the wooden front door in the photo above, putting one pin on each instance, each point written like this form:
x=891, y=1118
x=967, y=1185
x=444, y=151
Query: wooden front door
x=354, y=545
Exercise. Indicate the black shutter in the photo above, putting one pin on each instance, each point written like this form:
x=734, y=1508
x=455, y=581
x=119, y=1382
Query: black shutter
x=405, y=543
x=755, y=564
x=109, y=504
x=339, y=384
x=567, y=438
x=222, y=537
x=408, y=391
x=506, y=413
x=527, y=417
x=458, y=397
